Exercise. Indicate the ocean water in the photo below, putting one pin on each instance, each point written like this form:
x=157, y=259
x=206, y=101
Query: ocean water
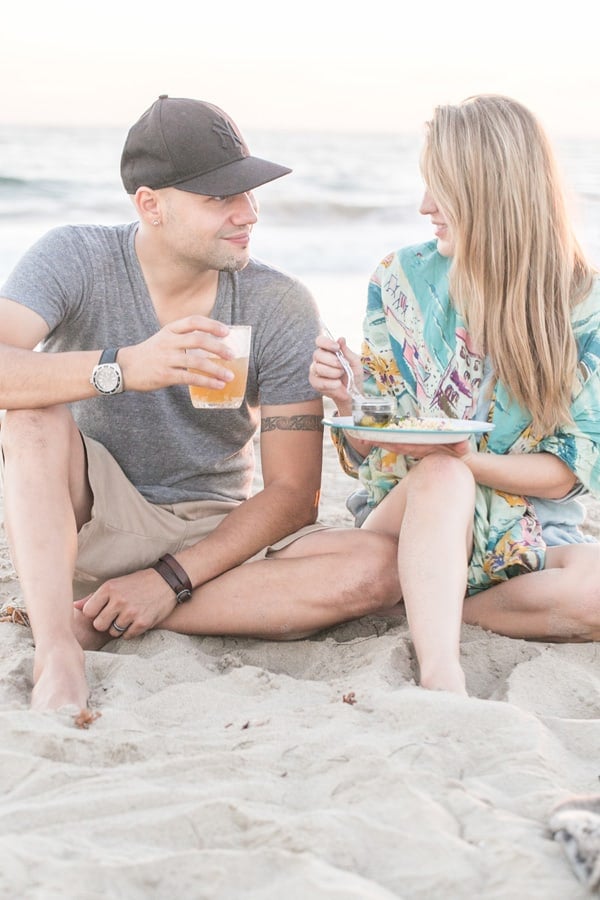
x=349, y=200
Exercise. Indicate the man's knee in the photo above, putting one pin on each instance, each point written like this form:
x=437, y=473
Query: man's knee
x=374, y=561
x=24, y=429
x=363, y=566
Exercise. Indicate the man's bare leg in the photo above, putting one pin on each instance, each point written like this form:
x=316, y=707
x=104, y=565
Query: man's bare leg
x=559, y=603
x=320, y=580
x=46, y=499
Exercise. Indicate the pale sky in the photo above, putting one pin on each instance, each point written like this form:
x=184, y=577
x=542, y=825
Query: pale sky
x=314, y=64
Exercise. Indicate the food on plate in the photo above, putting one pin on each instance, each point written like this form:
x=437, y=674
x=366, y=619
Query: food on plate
x=425, y=424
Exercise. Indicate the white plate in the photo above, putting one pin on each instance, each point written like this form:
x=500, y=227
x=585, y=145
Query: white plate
x=429, y=430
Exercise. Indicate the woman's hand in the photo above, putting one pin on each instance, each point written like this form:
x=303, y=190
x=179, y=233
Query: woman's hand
x=327, y=375
x=459, y=449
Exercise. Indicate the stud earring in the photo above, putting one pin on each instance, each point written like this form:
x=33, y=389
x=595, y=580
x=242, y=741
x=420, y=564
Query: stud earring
x=156, y=222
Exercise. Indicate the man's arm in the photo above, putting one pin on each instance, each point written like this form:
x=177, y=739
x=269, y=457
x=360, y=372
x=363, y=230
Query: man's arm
x=291, y=453
x=291, y=447
x=30, y=380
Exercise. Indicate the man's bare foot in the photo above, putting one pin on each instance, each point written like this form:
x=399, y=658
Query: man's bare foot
x=86, y=634
x=59, y=678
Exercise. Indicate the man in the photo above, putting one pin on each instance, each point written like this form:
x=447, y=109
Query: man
x=116, y=488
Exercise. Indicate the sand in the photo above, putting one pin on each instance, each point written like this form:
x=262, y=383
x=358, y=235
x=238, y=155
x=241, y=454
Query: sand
x=226, y=768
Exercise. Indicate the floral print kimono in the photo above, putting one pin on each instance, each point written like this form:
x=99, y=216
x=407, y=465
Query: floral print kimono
x=417, y=348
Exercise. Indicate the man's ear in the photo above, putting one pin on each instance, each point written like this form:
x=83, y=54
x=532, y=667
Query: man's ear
x=147, y=203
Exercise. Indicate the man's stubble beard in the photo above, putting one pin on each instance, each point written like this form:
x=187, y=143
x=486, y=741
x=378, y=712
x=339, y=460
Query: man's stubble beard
x=233, y=263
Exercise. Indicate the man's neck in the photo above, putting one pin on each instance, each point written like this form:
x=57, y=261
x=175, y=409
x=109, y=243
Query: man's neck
x=176, y=290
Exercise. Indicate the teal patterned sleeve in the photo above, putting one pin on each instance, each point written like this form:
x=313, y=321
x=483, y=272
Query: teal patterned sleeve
x=377, y=353
x=375, y=335
x=418, y=348
x=348, y=458
x=578, y=444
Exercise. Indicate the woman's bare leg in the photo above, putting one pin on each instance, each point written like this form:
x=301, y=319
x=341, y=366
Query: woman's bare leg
x=432, y=511
x=559, y=603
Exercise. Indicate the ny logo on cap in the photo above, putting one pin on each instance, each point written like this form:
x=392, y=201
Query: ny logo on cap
x=227, y=134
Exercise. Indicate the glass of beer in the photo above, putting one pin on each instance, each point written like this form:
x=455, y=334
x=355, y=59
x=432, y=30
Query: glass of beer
x=230, y=396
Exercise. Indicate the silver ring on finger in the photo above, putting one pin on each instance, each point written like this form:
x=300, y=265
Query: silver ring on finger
x=119, y=628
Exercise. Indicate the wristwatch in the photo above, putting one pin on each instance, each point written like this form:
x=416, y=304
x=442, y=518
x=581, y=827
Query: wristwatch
x=107, y=377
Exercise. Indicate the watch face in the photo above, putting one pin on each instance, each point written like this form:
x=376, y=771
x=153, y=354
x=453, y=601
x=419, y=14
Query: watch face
x=107, y=378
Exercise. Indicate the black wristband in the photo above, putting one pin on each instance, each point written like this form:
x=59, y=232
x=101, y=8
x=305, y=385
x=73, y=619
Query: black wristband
x=175, y=576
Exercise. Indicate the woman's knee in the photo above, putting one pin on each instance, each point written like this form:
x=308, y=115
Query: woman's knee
x=579, y=600
x=585, y=602
x=577, y=614
x=441, y=467
x=440, y=473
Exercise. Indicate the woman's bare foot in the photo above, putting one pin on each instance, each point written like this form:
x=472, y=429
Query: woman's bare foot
x=59, y=677
x=449, y=677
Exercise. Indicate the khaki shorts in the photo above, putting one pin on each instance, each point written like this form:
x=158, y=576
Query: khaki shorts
x=127, y=533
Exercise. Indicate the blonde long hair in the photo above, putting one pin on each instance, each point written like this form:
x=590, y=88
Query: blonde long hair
x=517, y=268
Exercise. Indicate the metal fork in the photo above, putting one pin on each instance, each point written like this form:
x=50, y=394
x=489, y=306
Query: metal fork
x=351, y=386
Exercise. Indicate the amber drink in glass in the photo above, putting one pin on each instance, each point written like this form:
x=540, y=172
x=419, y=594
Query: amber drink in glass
x=230, y=396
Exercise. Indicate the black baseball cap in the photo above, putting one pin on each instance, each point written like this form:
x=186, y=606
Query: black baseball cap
x=193, y=146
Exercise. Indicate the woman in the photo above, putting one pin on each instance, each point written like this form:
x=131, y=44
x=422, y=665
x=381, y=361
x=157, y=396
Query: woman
x=498, y=318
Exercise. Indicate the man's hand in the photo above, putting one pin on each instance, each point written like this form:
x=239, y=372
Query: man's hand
x=136, y=602
x=168, y=357
x=187, y=351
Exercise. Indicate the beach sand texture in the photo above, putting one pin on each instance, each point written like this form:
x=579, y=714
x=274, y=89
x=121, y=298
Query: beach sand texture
x=224, y=768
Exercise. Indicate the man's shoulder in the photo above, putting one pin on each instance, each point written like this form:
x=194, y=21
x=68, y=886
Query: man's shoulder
x=74, y=238
x=91, y=231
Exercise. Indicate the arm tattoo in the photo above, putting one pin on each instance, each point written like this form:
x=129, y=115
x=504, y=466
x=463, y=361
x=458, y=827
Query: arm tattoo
x=291, y=423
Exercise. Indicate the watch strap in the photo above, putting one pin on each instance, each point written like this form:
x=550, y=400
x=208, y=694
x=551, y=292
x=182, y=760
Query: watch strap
x=108, y=356
x=175, y=576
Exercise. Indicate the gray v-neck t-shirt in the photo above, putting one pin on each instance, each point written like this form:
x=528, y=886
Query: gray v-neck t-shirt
x=86, y=283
